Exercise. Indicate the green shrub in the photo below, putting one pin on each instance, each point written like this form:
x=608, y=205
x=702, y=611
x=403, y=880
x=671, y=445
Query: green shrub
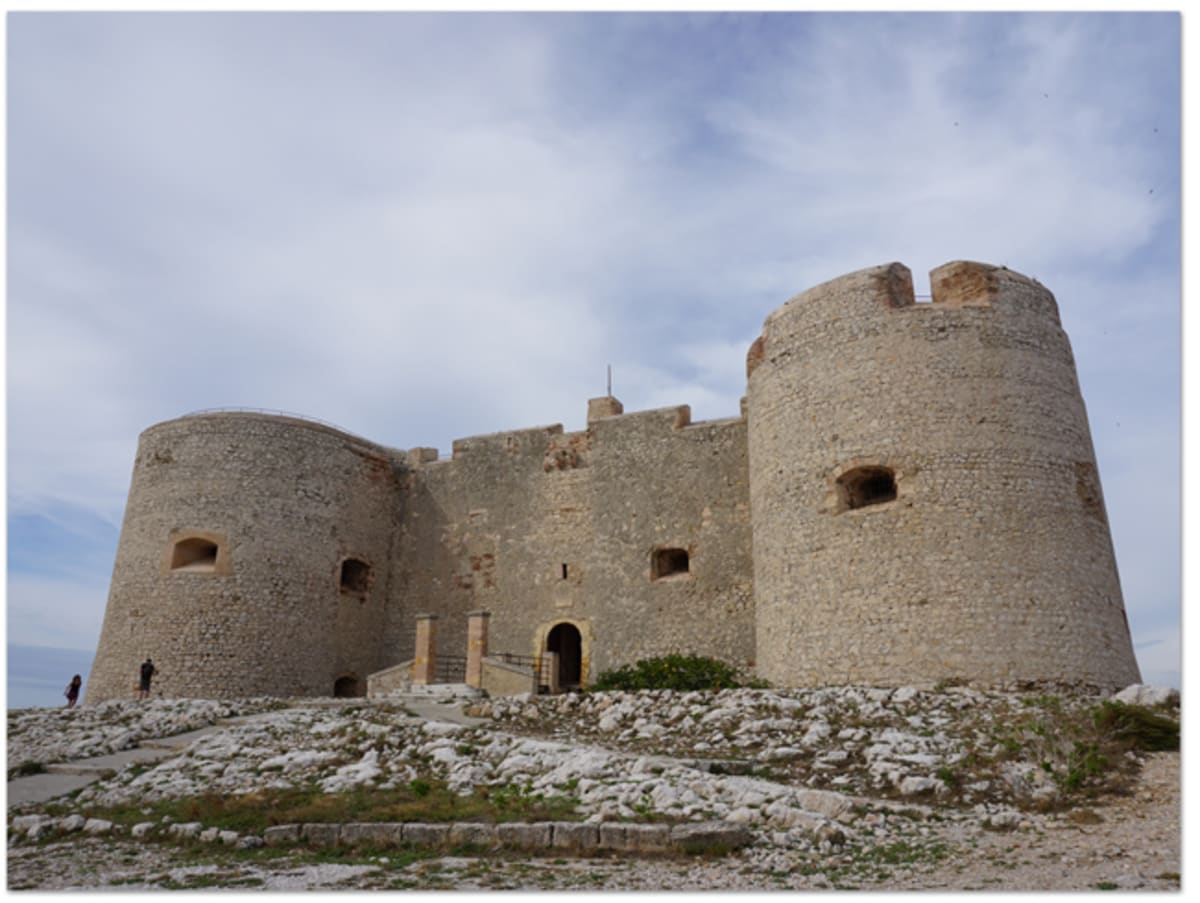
x=674, y=672
x=1137, y=726
x=25, y=769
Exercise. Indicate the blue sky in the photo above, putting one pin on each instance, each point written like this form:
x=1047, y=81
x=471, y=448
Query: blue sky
x=423, y=227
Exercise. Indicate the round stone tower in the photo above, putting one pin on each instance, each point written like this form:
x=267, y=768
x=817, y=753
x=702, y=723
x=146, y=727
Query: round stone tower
x=252, y=561
x=924, y=496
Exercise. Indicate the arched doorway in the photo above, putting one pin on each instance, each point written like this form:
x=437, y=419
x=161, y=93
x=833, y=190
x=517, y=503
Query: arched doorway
x=565, y=640
x=346, y=685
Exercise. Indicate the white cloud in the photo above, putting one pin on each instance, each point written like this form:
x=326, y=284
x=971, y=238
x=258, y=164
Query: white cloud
x=423, y=227
x=52, y=611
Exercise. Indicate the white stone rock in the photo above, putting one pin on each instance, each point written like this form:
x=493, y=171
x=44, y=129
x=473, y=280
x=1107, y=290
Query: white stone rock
x=816, y=734
x=913, y=785
x=97, y=826
x=609, y=722
x=783, y=753
x=786, y=816
x=924, y=760
x=23, y=823
x=826, y=802
x=1003, y=820
x=834, y=756
x=1147, y=695
x=298, y=758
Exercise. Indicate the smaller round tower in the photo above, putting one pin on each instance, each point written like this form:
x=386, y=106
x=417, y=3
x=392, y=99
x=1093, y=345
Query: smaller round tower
x=253, y=560
x=924, y=496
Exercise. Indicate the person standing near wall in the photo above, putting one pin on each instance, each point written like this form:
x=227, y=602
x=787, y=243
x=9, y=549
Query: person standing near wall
x=72, y=691
x=144, y=683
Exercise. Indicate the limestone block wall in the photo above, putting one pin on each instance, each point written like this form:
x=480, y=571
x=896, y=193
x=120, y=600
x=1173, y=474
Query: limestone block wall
x=661, y=484
x=273, y=608
x=993, y=561
x=541, y=527
x=502, y=679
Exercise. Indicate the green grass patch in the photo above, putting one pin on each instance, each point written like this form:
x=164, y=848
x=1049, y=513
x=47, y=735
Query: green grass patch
x=422, y=800
x=1137, y=726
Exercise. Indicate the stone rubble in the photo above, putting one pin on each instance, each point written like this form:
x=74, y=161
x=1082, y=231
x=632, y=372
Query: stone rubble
x=805, y=771
x=47, y=736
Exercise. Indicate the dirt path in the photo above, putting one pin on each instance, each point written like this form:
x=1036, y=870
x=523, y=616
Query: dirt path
x=1127, y=843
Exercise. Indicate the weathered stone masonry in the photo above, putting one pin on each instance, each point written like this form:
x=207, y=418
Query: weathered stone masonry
x=910, y=495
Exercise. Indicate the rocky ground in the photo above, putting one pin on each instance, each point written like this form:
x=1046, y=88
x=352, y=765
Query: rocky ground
x=842, y=787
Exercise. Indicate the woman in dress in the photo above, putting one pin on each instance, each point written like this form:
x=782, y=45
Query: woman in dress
x=72, y=691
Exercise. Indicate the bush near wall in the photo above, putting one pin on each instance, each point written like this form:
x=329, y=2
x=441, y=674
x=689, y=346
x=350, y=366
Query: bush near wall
x=674, y=672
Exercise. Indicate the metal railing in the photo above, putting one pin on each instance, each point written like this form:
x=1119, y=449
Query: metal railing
x=274, y=413
x=522, y=661
x=450, y=669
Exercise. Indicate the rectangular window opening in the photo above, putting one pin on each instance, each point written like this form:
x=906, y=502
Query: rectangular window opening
x=669, y=563
x=194, y=554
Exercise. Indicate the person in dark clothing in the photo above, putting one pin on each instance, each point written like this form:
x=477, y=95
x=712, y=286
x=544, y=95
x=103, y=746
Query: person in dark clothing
x=72, y=691
x=144, y=684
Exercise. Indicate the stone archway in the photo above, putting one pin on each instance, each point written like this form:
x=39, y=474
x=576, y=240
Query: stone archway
x=570, y=640
x=346, y=686
x=566, y=642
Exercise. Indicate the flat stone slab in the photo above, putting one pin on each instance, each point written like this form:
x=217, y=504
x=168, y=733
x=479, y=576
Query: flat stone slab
x=421, y=835
x=524, y=836
x=372, y=834
x=320, y=834
x=709, y=836
x=178, y=741
x=281, y=835
x=112, y=762
x=39, y=788
x=575, y=836
x=472, y=834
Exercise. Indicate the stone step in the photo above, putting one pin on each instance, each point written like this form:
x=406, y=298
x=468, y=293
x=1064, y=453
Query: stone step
x=428, y=692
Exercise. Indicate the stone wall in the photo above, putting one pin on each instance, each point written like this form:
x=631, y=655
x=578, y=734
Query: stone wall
x=502, y=679
x=286, y=502
x=541, y=527
x=993, y=560
x=919, y=481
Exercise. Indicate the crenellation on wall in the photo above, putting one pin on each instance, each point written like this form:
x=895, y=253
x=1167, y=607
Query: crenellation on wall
x=975, y=395
x=605, y=406
x=907, y=494
x=511, y=442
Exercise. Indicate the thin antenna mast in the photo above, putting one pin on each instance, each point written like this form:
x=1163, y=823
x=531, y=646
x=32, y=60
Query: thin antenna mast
x=610, y=380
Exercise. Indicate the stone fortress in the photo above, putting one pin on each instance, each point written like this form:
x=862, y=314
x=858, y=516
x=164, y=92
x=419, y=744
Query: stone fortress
x=909, y=495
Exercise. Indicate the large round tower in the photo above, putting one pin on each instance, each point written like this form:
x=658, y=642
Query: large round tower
x=925, y=502
x=253, y=560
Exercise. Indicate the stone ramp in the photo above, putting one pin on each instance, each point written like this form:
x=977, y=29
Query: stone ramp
x=62, y=778
x=40, y=788
x=102, y=765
